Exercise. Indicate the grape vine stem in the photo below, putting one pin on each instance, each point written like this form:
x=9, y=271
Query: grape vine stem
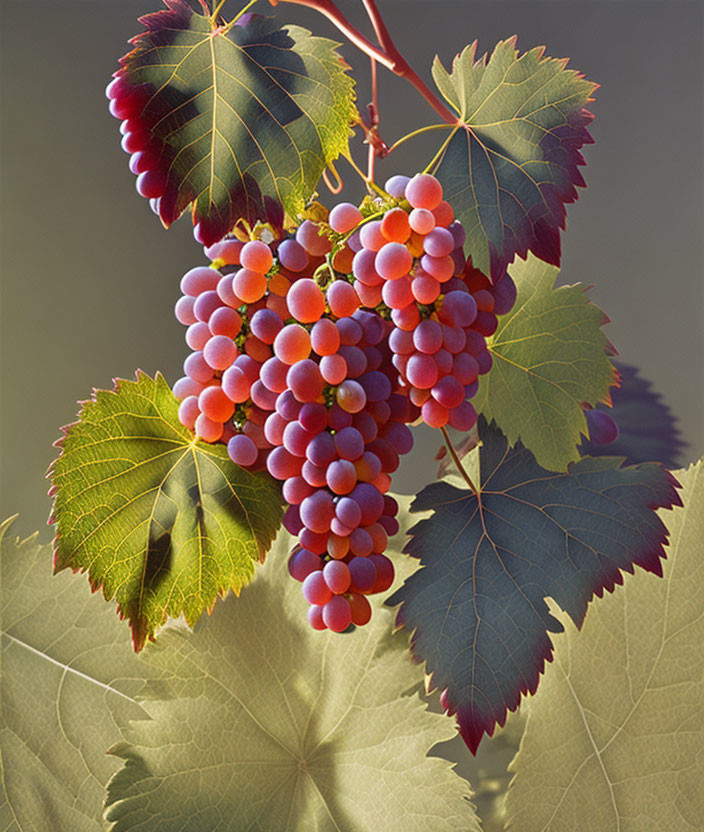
x=387, y=54
x=458, y=462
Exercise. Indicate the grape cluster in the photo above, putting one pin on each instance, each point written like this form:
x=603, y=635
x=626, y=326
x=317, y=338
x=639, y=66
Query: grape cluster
x=313, y=353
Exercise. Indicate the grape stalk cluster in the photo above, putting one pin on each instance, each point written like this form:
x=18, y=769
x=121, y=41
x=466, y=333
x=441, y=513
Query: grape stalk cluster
x=311, y=355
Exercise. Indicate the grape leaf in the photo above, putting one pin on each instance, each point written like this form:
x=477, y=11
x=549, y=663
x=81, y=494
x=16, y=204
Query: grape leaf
x=161, y=522
x=69, y=681
x=246, y=119
x=648, y=430
x=261, y=723
x=476, y=610
x=512, y=162
x=615, y=737
x=550, y=356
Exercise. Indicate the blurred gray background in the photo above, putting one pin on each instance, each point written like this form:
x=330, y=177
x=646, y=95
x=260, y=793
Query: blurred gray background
x=89, y=277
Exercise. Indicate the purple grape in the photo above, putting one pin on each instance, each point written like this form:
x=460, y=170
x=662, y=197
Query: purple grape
x=349, y=443
x=602, y=428
x=302, y=563
x=362, y=573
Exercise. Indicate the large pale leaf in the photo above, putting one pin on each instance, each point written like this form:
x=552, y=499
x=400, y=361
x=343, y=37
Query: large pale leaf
x=512, y=163
x=246, y=119
x=647, y=428
x=69, y=681
x=261, y=723
x=161, y=522
x=550, y=356
x=477, y=609
x=615, y=737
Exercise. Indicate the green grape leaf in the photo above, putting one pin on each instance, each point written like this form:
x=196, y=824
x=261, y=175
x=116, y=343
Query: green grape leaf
x=162, y=522
x=477, y=609
x=261, y=723
x=69, y=684
x=512, y=163
x=244, y=121
x=615, y=737
x=550, y=357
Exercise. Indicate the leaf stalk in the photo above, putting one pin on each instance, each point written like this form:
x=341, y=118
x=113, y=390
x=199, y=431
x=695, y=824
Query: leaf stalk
x=458, y=462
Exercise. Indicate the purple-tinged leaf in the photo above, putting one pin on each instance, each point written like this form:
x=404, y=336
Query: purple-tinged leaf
x=477, y=608
x=512, y=163
x=647, y=428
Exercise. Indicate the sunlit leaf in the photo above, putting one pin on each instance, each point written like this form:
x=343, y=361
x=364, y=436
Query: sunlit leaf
x=550, y=356
x=69, y=681
x=245, y=120
x=614, y=740
x=262, y=723
x=161, y=522
x=513, y=162
x=477, y=609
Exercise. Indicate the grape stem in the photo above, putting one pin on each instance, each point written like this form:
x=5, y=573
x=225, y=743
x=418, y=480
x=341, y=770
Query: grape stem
x=458, y=462
x=388, y=55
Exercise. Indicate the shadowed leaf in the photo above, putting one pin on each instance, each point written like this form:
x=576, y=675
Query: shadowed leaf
x=615, y=736
x=647, y=428
x=513, y=163
x=245, y=121
x=262, y=723
x=161, y=522
x=477, y=609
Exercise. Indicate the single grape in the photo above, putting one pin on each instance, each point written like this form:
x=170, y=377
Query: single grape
x=465, y=368
x=256, y=256
x=249, y=285
x=363, y=575
x=363, y=268
x=395, y=226
x=434, y=414
x=220, y=352
x=439, y=242
x=189, y=411
x=227, y=251
x=348, y=512
x=315, y=617
x=421, y=371
x=371, y=236
x=274, y=432
x=266, y=325
x=208, y=429
x=449, y=392
x=236, y=384
x=196, y=367
x=321, y=450
x=215, y=404
x=197, y=335
x=333, y=368
x=406, y=318
x=308, y=235
x=198, y=280
x=349, y=443
x=296, y=439
x=151, y=184
x=337, y=576
x=337, y=614
x=376, y=386
x=444, y=215
x=317, y=511
x=338, y=418
x=424, y=191
x=396, y=185
x=292, y=256
x=399, y=436
x=344, y=217
x=504, y=295
x=337, y=546
x=603, y=430
x=341, y=476
x=425, y=288
x=292, y=344
x=427, y=337
x=313, y=417
x=384, y=572
x=262, y=397
x=342, y=298
x=273, y=374
x=306, y=300
x=360, y=609
x=370, y=500
x=303, y=563
x=392, y=261
x=305, y=380
x=397, y=294
x=185, y=387
x=325, y=337
x=225, y=321
x=351, y=396
x=463, y=417
x=316, y=543
x=315, y=590
x=183, y=310
x=458, y=309
x=361, y=542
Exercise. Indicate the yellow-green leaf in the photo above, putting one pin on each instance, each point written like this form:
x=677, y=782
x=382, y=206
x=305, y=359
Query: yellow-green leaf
x=615, y=736
x=161, y=522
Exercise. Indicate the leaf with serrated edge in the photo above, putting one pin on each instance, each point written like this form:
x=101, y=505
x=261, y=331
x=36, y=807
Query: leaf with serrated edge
x=161, y=522
x=615, y=736
x=245, y=121
x=477, y=609
x=69, y=682
x=512, y=163
x=262, y=723
x=550, y=357
x=648, y=430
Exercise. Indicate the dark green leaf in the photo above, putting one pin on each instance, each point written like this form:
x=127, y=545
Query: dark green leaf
x=161, y=522
x=550, y=356
x=513, y=163
x=261, y=723
x=69, y=682
x=477, y=609
x=246, y=120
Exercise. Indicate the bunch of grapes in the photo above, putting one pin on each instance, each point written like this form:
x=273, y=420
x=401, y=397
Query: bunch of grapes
x=313, y=353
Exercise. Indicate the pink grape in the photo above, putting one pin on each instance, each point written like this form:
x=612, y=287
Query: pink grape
x=315, y=617
x=185, y=387
x=236, y=384
x=225, y=321
x=396, y=185
x=325, y=337
x=341, y=476
x=266, y=325
x=305, y=380
x=196, y=367
x=363, y=268
x=351, y=396
x=337, y=576
x=189, y=411
x=349, y=443
x=348, y=512
x=302, y=563
x=215, y=404
x=317, y=511
x=312, y=241
x=434, y=414
x=220, y=352
x=397, y=294
x=361, y=542
x=439, y=242
x=393, y=261
x=424, y=191
x=273, y=374
x=197, y=335
x=337, y=614
x=256, y=256
x=315, y=590
x=281, y=464
x=421, y=220
x=313, y=417
x=208, y=429
x=360, y=609
x=371, y=236
x=333, y=369
x=422, y=371
x=205, y=304
x=296, y=489
x=344, y=217
x=184, y=311
x=198, y=280
x=427, y=337
x=306, y=300
x=363, y=574
x=341, y=298
x=292, y=344
x=463, y=417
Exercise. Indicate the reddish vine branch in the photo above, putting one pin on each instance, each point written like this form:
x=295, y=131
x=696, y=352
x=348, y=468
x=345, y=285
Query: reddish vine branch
x=388, y=55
